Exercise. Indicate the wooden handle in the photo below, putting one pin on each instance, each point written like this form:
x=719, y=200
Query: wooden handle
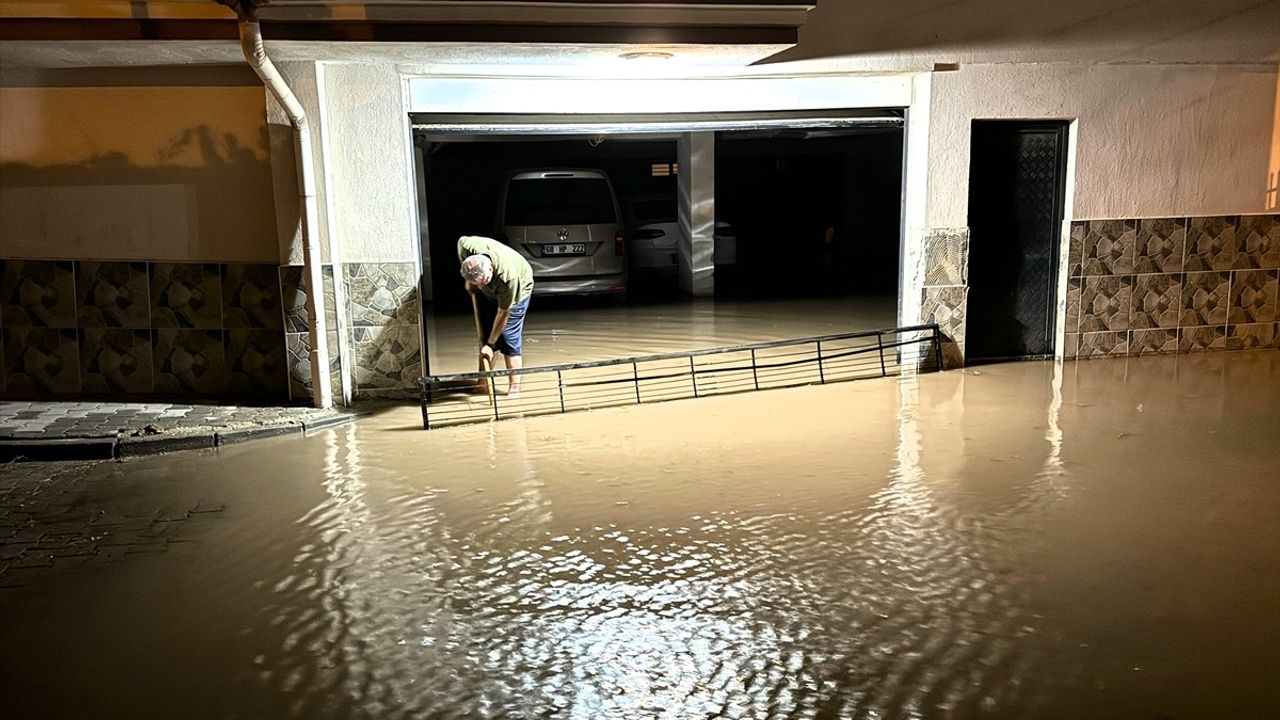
x=484, y=363
x=475, y=313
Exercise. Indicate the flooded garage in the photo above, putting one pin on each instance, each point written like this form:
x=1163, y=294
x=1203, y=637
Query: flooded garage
x=803, y=234
x=1023, y=540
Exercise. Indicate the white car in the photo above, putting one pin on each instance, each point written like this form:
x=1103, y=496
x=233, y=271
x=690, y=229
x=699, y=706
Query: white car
x=655, y=235
x=566, y=224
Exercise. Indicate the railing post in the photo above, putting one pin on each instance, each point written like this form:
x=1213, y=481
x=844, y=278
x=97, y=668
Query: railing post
x=822, y=377
x=494, y=396
x=937, y=346
x=880, y=346
x=635, y=377
x=426, y=400
x=755, y=378
x=693, y=375
x=560, y=388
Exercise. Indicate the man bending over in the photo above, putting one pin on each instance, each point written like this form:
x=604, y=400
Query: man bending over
x=502, y=275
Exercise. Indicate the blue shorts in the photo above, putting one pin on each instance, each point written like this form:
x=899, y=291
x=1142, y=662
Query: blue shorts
x=512, y=338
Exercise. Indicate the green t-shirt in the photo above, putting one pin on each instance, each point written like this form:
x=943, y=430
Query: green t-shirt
x=512, y=280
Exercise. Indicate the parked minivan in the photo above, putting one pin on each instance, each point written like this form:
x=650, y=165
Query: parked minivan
x=566, y=224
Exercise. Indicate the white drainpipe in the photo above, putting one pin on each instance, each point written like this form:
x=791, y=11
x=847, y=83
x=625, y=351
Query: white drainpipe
x=256, y=54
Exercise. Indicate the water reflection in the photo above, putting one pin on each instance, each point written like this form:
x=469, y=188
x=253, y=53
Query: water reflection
x=955, y=545
x=561, y=333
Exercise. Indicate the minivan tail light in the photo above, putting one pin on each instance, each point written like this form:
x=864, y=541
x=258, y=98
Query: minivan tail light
x=620, y=244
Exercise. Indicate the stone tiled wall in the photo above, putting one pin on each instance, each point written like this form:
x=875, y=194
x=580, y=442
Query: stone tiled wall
x=380, y=313
x=141, y=328
x=944, y=298
x=1160, y=285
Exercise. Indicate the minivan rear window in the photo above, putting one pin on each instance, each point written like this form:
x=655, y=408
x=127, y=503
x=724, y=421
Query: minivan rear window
x=559, y=201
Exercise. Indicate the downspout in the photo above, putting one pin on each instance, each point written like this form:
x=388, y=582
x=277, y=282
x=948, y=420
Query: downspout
x=256, y=55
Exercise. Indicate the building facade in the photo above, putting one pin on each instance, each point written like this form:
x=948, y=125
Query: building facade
x=150, y=228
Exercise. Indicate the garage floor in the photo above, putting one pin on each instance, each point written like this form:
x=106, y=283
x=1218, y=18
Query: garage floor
x=557, y=331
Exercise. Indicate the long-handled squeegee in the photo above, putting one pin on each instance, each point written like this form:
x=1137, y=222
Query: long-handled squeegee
x=484, y=362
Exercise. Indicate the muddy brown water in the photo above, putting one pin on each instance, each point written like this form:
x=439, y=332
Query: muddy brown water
x=1089, y=540
x=560, y=332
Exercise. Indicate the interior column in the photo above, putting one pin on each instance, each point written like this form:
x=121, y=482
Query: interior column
x=696, y=155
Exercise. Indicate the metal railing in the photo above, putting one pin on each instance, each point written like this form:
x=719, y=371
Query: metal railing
x=451, y=400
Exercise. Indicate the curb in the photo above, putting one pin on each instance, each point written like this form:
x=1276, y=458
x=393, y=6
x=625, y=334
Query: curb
x=118, y=447
x=128, y=446
x=82, y=448
x=228, y=437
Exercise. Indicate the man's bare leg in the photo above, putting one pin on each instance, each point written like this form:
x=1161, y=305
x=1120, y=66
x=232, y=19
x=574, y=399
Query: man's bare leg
x=514, y=362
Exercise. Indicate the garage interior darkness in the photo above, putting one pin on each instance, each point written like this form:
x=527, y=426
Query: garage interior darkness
x=815, y=212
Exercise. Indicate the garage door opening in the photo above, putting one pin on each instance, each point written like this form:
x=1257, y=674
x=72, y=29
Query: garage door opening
x=805, y=241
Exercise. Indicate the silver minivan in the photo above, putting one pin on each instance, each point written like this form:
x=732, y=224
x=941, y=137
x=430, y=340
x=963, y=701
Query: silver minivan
x=566, y=224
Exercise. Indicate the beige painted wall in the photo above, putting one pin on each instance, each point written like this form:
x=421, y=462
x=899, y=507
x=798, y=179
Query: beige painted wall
x=129, y=172
x=1151, y=140
x=372, y=186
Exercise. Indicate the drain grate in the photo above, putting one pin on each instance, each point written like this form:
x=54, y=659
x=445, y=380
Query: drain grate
x=551, y=389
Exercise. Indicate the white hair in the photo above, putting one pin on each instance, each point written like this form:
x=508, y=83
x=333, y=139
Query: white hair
x=477, y=269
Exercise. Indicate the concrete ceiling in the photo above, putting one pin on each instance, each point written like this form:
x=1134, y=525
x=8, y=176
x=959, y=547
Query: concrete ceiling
x=182, y=33
x=479, y=58
x=918, y=33
x=839, y=37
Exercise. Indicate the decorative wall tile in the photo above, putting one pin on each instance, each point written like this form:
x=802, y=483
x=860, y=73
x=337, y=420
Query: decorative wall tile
x=1258, y=240
x=298, y=349
x=1075, y=289
x=382, y=293
x=1255, y=336
x=1253, y=296
x=256, y=362
x=1161, y=243
x=1157, y=301
x=1205, y=298
x=293, y=289
x=945, y=306
x=41, y=361
x=37, y=293
x=1071, y=345
x=251, y=296
x=946, y=256
x=186, y=295
x=1195, y=339
x=113, y=294
x=386, y=357
x=1211, y=243
x=1102, y=344
x=952, y=355
x=1158, y=340
x=1109, y=247
x=189, y=362
x=115, y=361
x=1104, y=303
x=1075, y=248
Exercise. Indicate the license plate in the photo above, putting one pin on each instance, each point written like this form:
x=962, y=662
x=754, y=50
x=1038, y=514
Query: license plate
x=564, y=249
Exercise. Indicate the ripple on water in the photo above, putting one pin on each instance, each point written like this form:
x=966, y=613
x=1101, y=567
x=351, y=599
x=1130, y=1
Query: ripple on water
x=892, y=606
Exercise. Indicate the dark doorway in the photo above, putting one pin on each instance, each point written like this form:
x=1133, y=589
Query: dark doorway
x=1017, y=182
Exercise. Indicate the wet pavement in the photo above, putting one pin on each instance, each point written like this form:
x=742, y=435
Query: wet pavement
x=57, y=429
x=1096, y=539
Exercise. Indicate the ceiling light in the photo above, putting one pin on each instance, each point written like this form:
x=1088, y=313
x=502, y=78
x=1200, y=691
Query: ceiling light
x=646, y=55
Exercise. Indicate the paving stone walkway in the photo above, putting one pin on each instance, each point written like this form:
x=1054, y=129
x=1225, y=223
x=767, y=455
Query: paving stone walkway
x=53, y=519
x=53, y=430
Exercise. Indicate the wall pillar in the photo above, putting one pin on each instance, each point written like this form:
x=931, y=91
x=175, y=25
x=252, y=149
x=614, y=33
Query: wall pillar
x=696, y=155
